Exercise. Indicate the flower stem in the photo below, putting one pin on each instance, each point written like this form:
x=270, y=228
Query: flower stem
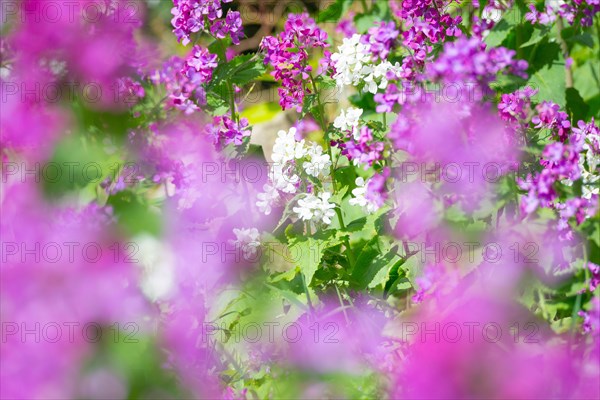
x=323, y=125
x=565, y=50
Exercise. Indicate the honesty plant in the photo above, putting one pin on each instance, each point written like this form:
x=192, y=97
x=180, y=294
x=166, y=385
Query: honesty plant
x=317, y=199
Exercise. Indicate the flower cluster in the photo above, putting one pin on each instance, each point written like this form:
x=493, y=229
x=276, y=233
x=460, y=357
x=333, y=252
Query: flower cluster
x=288, y=54
x=348, y=120
x=550, y=117
x=468, y=61
x=288, y=154
x=361, y=151
x=224, y=131
x=352, y=65
x=316, y=208
x=191, y=16
x=568, y=161
x=248, y=239
x=514, y=107
x=582, y=12
x=381, y=39
x=371, y=194
x=426, y=23
x=199, y=65
x=560, y=161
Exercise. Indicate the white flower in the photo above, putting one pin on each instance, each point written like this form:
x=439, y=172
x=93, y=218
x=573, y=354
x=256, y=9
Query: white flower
x=284, y=179
x=590, y=177
x=555, y=5
x=306, y=207
x=490, y=14
x=352, y=55
x=286, y=148
x=325, y=209
x=158, y=263
x=247, y=240
x=267, y=199
x=348, y=120
x=315, y=208
x=353, y=66
x=318, y=163
x=378, y=73
x=590, y=184
x=359, y=198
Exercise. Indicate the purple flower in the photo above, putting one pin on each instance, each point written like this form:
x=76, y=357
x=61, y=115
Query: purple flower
x=550, y=117
x=376, y=193
x=225, y=131
x=364, y=151
x=191, y=16
x=468, y=61
x=199, y=65
x=381, y=39
x=513, y=107
x=288, y=54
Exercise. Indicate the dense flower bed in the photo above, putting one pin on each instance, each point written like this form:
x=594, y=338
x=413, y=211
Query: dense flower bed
x=427, y=225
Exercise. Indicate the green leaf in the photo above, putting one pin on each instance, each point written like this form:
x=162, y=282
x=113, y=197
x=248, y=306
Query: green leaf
x=335, y=11
x=587, y=79
x=364, y=21
x=134, y=214
x=370, y=262
x=498, y=33
x=248, y=72
x=307, y=256
x=550, y=81
x=576, y=106
x=537, y=36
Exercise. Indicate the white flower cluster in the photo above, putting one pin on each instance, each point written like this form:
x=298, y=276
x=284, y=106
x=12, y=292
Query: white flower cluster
x=348, y=120
x=318, y=162
x=247, y=240
x=359, y=198
x=353, y=66
x=283, y=176
x=315, y=208
x=589, y=177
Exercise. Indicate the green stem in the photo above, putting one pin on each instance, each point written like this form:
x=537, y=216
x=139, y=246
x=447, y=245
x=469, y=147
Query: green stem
x=565, y=50
x=321, y=121
x=230, y=93
x=364, y=6
x=232, y=101
x=342, y=304
x=308, y=300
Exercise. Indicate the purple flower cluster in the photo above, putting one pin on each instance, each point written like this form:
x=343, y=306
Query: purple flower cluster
x=191, y=16
x=225, y=130
x=346, y=25
x=550, y=117
x=595, y=278
x=364, y=151
x=577, y=207
x=183, y=79
x=468, y=60
x=382, y=38
x=514, y=107
x=425, y=23
x=288, y=54
x=582, y=11
x=376, y=193
x=199, y=65
x=130, y=91
x=405, y=93
x=560, y=161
